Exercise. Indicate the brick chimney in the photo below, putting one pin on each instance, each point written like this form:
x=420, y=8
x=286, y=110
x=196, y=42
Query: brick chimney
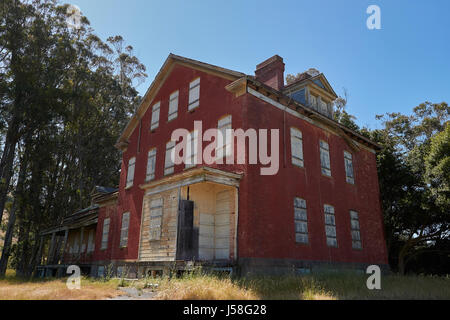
x=271, y=72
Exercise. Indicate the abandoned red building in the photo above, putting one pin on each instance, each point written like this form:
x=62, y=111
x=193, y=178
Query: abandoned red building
x=320, y=210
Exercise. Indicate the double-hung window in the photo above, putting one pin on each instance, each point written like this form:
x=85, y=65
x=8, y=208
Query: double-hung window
x=124, y=229
x=194, y=94
x=355, y=229
x=169, y=165
x=151, y=165
x=191, y=151
x=325, y=158
x=130, y=173
x=297, y=147
x=224, y=138
x=155, y=116
x=301, y=221
x=173, y=105
x=349, y=174
x=330, y=226
x=105, y=233
x=156, y=213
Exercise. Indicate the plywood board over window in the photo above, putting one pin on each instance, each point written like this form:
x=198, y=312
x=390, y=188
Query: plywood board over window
x=159, y=227
x=124, y=229
x=224, y=146
x=169, y=165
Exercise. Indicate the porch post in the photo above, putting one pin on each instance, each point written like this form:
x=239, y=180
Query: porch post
x=51, y=249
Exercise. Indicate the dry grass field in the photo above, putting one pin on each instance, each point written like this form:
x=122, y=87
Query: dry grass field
x=333, y=286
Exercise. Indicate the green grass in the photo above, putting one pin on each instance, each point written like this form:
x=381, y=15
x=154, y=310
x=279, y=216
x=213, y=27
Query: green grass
x=336, y=286
x=199, y=286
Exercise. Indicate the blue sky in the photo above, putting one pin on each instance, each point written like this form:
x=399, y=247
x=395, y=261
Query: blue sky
x=389, y=70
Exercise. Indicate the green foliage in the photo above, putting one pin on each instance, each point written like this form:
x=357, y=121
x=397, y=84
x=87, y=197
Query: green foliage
x=66, y=96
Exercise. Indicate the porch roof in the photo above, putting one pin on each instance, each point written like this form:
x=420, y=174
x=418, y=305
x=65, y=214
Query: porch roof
x=192, y=176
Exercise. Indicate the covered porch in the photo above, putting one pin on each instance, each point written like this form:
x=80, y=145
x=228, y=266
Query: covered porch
x=73, y=242
x=190, y=217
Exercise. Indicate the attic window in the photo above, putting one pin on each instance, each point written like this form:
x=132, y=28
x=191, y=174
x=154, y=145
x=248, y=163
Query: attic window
x=155, y=116
x=194, y=94
x=173, y=106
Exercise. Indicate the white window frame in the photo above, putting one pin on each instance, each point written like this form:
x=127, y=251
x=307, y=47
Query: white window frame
x=301, y=221
x=330, y=226
x=155, y=116
x=192, y=149
x=355, y=228
x=297, y=147
x=105, y=233
x=151, y=165
x=223, y=148
x=169, y=166
x=156, y=216
x=349, y=169
x=194, y=94
x=125, y=225
x=173, y=106
x=131, y=171
x=325, y=163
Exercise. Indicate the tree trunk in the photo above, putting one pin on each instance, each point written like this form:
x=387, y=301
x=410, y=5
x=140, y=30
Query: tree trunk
x=12, y=220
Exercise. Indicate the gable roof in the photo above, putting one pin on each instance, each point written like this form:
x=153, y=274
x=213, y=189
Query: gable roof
x=162, y=75
x=319, y=80
x=238, y=78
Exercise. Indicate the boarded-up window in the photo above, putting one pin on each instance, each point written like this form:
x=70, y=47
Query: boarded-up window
x=155, y=116
x=301, y=221
x=191, y=152
x=325, y=158
x=173, y=106
x=130, y=173
x=124, y=229
x=297, y=147
x=313, y=101
x=330, y=226
x=170, y=155
x=355, y=229
x=194, y=94
x=156, y=213
x=349, y=167
x=151, y=165
x=224, y=140
x=91, y=241
x=105, y=234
